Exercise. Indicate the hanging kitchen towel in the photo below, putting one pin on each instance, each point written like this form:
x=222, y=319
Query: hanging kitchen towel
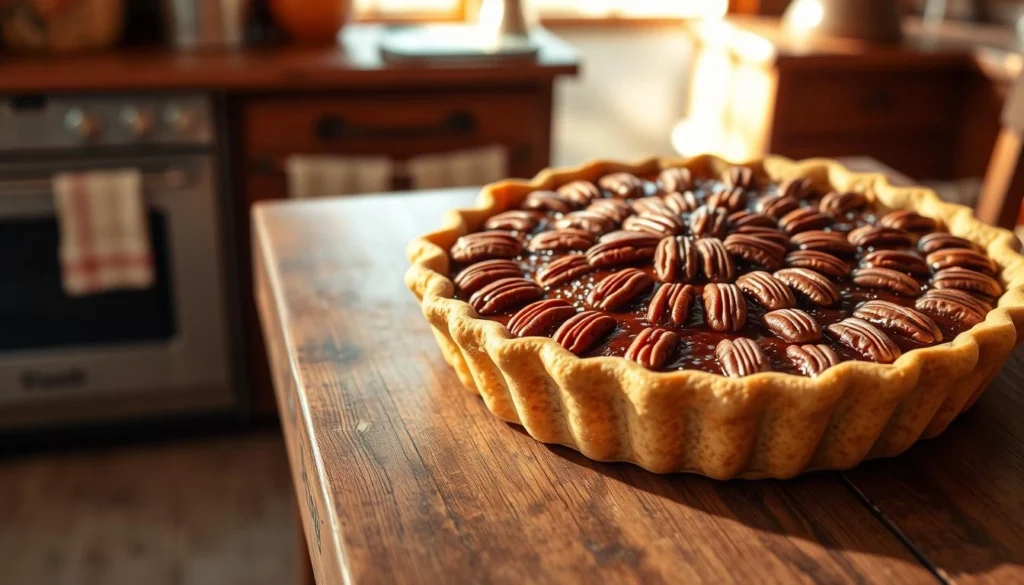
x=460, y=168
x=321, y=175
x=104, y=234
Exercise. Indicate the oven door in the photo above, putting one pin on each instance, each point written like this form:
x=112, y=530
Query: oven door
x=151, y=344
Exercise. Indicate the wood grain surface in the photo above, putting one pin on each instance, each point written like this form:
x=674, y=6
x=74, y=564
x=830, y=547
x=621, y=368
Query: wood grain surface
x=404, y=477
x=959, y=498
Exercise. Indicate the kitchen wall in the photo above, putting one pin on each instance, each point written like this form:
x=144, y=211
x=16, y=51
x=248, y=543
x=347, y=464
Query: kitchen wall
x=631, y=91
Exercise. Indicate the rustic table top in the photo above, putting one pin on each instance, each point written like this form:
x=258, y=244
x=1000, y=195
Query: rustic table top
x=404, y=477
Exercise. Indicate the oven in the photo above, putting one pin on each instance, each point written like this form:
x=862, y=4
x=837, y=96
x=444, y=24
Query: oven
x=124, y=354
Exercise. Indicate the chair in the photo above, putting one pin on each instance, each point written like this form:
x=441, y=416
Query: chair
x=1003, y=187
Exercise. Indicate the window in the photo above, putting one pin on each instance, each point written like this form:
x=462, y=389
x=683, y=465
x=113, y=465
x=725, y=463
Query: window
x=551, y=9
x=410, y=9
x=630, y=8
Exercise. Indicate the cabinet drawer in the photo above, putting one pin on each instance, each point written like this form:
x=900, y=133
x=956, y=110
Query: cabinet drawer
x=850, y=101
x=399, y=123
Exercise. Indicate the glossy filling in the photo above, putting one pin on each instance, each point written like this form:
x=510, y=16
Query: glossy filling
x=697, y=341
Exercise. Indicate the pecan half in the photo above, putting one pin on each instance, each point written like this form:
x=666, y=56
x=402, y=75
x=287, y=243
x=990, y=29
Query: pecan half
x=812, y=360
x=475, y=276
x=887, y=279
x=803, y=219
x=583, y=331
x=725, y=309
x=899, y=319
x=731, y=199
x=961, y=257
x=792, y=325
x=681, y=202
x=815, y=287
x=907, y=220
x=540, y=317
x=587, y=221
x=822, y=241
x=821, y=262
x=564, y=269
x=768, y=291
x=764, y=233
x=741, y=357
x=486, y=245
x=562, y=240
x=895, y=260
x=515, y=220
x=865, y=339
x=671, y=301
x=675, y=180
x=504, y=294
x=716, y=263
x=756, y=250
x=750, y=218
x=548, y=201
x=709, y=222
x=737, y=176
x=652, y=206
x=676, y=260
x=615, y=210
x=967, y=280
x=797, y=188
x=579, y=192
x=955, y=305
x=659, y=225
x=838, y=203
x=619, y=289
x=776, y=206
x=877, y=236
x=652, y=347
x=941, y=240
x=624, y=185
x=619, y=248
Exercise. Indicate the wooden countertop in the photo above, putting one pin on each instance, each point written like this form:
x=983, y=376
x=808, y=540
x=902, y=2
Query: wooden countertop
x=405, y=477
x=354, y=63
x=994, y=50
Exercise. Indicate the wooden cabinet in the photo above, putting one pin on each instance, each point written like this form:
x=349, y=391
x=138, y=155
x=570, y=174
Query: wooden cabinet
x=837, y=101
x=757, y=90
x=396, y=122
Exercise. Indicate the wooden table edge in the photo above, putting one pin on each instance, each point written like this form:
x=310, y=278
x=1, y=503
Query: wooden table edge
x=300, y=440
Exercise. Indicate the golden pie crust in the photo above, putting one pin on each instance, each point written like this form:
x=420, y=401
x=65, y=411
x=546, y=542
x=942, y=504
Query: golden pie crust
x=764, y=425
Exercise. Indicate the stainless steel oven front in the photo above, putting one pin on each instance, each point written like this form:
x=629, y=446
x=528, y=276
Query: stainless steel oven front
x=119, y=354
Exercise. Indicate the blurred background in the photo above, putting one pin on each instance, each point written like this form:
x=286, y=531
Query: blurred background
x=138, y=439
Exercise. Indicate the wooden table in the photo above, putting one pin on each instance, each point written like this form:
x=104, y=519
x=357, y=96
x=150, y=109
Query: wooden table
x=405, y=477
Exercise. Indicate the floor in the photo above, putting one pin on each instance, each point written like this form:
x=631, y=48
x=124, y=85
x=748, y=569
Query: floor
x=211, y=511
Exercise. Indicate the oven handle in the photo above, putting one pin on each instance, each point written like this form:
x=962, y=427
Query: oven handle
x=170, y=179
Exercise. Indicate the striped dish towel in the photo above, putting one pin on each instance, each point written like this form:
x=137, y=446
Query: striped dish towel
x=317, y=175
x=460, y=168
x=104, y=235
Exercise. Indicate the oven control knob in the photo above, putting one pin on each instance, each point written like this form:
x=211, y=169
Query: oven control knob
x=139, y=122
x=83, y=124
x=182, y=121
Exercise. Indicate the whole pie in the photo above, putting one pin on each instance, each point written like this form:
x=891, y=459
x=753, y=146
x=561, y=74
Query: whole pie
x=751, y=320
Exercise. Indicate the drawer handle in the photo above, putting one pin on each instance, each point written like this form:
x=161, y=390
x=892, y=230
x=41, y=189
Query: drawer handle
x=457, y=123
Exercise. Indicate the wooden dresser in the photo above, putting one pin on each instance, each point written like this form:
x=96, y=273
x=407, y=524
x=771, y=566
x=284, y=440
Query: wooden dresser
x=928, y=107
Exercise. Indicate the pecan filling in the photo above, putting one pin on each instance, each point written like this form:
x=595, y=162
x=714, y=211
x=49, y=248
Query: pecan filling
x=731, y=274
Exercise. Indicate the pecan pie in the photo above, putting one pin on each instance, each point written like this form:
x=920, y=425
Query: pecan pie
x=750, y=320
